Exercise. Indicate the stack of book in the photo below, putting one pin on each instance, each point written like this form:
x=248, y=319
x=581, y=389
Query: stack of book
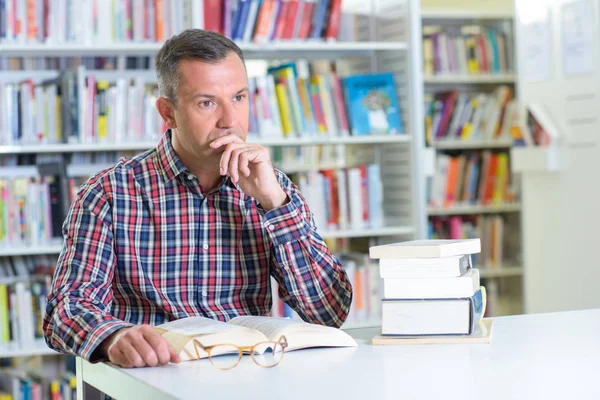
x=430, y=291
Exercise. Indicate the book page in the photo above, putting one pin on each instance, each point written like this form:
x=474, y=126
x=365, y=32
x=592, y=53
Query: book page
x=194, y=326
x=299, y=334
x=270, y=326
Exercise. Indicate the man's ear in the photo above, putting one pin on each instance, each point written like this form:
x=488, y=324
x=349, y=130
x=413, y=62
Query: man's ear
x=166, y=109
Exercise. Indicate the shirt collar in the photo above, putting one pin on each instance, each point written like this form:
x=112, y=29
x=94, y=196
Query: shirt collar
x=170, y=163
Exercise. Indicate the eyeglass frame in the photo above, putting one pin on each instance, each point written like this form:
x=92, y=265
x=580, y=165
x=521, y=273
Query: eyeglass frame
x=282, y=341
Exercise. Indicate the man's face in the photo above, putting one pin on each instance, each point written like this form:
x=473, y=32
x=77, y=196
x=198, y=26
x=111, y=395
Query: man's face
x=212, y=101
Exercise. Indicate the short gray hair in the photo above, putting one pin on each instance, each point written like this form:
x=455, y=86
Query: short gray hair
x=191, y=44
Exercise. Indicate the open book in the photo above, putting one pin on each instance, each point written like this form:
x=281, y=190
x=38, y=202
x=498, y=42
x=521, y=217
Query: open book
x=248, y=331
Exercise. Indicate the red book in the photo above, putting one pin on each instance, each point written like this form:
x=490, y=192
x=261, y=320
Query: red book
x=291, y=18
x=335, y=15
x=213, y=16
x=306, y=19
x=282, y=20
x=334, y=205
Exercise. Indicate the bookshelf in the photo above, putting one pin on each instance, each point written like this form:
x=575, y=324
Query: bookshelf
x=145, y=145
x=251, y=51
x=39, y=348
x=469, y=209
x=451, y=79
x=378, y=46
x=471, y=144
x=491, y=79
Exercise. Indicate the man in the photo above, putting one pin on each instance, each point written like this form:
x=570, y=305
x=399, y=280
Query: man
x=193, y=227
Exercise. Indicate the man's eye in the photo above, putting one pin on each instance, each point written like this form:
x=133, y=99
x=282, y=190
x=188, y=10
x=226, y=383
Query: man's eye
x=206, y=103
x=240, y=97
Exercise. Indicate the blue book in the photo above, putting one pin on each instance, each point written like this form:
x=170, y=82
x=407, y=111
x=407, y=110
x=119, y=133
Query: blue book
x=236, y=6
x=373, y=105
x=491, y=37
x=243, y=11
x=318, y=19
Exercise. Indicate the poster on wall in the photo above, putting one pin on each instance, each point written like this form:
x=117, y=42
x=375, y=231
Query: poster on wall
x=577, y=31
x=536, y=58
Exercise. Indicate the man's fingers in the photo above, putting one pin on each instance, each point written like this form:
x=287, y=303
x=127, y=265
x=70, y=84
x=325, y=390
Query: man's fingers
x=226, y=156
x=243, y=163
x=175, y=358
x=131, y=355
x=145, y=351
x=233, y=165
x=225, y=140
x=159, y=345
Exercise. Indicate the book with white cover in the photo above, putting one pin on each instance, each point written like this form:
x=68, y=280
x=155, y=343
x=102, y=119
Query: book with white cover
x=445, y=267
x=426, y=249
x=456, y=316
x=432, y=288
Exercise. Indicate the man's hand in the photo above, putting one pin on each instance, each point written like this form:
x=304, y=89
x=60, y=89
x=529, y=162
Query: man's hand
x=139, y=346
x=249, y=165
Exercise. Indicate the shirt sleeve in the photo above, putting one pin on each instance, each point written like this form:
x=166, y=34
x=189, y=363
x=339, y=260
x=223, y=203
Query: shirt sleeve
x=311, y=280
x=78, y=316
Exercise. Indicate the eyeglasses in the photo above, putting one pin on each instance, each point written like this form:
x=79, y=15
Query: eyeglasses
x=227, y=356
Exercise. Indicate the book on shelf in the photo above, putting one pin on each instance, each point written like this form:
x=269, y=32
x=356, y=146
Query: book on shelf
x=466, y=49
x=248, y=331
x=35, y=383
x=330, y=195
x=372, y=104
x=24, y=287
x=423, y=317
x=120, y=21
x=539, y=129
x=452, y=116
x=426, y=249
x=472, y=178
x=491, y=230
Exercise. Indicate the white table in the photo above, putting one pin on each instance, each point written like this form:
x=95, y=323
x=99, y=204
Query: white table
x=542, y=356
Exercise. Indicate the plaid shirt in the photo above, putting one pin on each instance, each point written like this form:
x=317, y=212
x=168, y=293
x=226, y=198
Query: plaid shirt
x=144, y=245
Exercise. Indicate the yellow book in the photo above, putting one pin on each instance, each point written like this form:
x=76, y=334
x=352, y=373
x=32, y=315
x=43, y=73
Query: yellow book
x=293, y=99
x=501, y=179
x=472, y=63
x=428, y=129
x=468, y=127
x=284, y=109
x=4, y=315
x=102, y=109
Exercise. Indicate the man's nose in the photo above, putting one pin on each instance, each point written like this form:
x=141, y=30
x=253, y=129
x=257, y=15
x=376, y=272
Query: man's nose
x=227, y=118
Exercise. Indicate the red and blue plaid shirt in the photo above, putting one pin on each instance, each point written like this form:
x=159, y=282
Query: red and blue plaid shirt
x=144, y=245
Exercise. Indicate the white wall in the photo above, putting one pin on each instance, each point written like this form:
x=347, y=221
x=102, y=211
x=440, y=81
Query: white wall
x=561, y=210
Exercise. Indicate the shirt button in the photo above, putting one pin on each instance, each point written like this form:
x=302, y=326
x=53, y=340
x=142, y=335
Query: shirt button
x=271, y=227
x=190, y=177
x=205, y=246
x=204, y=293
